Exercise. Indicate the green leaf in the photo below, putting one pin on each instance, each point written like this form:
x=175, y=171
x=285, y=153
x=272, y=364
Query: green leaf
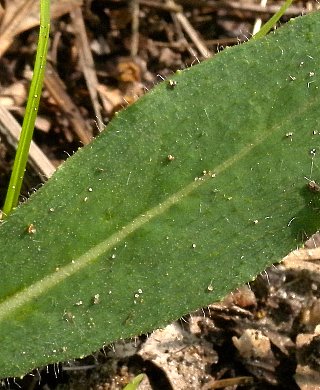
x=134, y=384
x=124, y=239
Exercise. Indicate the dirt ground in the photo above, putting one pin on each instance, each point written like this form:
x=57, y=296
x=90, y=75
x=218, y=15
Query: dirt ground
x=103, y=55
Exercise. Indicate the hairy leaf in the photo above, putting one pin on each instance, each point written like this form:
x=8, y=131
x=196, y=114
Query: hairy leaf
x=188, y=193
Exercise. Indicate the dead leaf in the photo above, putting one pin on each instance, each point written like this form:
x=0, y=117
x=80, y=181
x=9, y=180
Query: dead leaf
x=13, y=95
x=112, y=99
x=128, y=72
x=21, y=15
x=307, y=377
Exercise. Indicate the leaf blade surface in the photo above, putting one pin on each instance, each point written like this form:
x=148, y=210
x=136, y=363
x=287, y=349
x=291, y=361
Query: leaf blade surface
x=128, y=239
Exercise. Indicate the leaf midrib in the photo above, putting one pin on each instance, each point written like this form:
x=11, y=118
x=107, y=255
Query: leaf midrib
x=40, y=287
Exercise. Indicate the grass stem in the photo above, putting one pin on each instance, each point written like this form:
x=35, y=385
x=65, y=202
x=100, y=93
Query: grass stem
x=272, y=21
x=21, y=158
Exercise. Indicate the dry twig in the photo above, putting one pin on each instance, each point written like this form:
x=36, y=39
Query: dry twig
x=57, y=90
x=86, y=59
x=203, y=50
x=11, y=129
x=248, y=6
x=134, y=6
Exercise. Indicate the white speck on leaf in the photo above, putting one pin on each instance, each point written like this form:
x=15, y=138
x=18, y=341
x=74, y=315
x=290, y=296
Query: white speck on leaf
x=31, y=229
x=96, y=299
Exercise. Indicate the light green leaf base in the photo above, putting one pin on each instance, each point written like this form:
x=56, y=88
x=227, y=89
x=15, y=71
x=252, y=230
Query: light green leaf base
x=134, y=384
x=187, y=194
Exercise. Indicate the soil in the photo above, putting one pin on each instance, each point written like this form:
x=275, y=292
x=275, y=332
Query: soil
x=264, y=335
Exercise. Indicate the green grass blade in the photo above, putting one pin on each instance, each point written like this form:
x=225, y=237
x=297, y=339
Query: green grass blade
x=272, y=21
x=21, y=158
